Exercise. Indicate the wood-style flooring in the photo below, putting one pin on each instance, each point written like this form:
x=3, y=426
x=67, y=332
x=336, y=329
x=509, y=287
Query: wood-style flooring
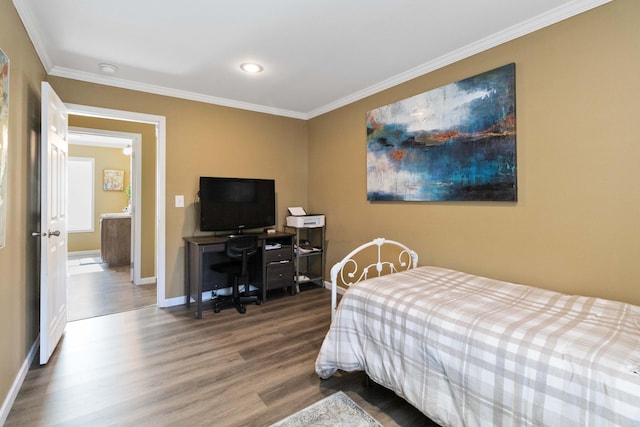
x=164, y=367
x=94, y=289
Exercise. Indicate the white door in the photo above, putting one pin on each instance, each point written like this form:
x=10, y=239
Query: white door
x=53, y=268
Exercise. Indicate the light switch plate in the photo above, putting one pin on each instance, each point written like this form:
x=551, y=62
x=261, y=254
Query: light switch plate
x=179, y=201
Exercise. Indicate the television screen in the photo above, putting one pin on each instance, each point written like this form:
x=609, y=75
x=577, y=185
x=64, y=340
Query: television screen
x=234, y=204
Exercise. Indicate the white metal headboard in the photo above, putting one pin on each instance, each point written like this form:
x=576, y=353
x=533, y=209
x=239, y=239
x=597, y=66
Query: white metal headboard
x=349, y=272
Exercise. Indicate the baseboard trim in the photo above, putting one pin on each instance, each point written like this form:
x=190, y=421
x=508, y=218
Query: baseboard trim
x=96, y=254
x=340, y=290
x=17, y=383
x=146, y=281
x=88, y=254
x=206, y=296
x=172, y=302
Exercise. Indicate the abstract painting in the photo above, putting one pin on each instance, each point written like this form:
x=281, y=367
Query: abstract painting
x=453, y=143
x=4, y=142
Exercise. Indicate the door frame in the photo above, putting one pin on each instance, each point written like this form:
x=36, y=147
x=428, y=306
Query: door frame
x=160, y=124
x=135, y=141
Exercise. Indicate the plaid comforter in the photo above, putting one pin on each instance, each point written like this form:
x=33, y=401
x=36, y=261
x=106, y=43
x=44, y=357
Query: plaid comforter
x=473, y=351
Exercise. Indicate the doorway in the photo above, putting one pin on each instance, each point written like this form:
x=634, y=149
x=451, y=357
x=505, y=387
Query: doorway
x=97, y=285
x=159, y=123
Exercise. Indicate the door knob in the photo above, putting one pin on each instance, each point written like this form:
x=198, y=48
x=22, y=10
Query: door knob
x=48, y=234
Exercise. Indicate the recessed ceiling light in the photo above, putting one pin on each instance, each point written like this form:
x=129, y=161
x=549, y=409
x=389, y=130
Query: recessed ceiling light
x=108, y=68
x=251, y=67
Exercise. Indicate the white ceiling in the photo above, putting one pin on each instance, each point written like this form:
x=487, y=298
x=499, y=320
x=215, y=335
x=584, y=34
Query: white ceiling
x=317, y=55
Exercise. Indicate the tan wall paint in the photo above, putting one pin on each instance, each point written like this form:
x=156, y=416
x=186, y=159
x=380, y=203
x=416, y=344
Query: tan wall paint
x=19, y=285
x=104, y=201
x=575, y=227
x=209, y=140
x=148, y=190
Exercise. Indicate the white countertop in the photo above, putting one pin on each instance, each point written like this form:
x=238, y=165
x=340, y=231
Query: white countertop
x=115, y=215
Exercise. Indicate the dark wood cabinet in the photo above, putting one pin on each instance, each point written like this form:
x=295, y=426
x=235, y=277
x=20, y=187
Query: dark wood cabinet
x=115, y=240
x=278, y=266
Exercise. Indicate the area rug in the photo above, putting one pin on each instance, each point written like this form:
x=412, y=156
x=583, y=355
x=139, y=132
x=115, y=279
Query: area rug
x=335, y=410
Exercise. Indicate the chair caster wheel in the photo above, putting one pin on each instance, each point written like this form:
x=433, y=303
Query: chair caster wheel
x=216, y=310
x=242, y=310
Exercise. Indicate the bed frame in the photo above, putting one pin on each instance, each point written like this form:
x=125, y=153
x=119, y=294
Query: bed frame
x=348, y=272
x=471, y=350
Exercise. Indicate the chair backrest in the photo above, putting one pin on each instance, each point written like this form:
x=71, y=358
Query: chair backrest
x=241, y=248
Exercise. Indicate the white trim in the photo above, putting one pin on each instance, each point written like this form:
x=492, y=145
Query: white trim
x=175, y=93
x=84, y=254
x=99, y=137
x=161, y=144
x=111, y=138
x=91, y=254
x=544, y=20
x=172, y=302
x=146, y=281
x=18, y=381
x=327, y=285
x=565, y=11
x=206, y=296
x=32, y=26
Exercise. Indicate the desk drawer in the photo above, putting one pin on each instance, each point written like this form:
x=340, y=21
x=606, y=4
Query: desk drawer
x=277, y=255
x=279, y=275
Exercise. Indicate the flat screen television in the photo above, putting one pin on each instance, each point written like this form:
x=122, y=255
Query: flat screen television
x=236, y=204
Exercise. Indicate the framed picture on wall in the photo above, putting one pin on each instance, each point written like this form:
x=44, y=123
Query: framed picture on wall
x=113, y=180
x=4, y=142
x=453, y=143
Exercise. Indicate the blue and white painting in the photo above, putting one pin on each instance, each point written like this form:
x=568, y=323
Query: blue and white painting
x=453, y=143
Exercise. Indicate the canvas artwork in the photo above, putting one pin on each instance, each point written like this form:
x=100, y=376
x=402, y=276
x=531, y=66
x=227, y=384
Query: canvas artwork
x=453, y=143
x=113, y=180
x=4, y=142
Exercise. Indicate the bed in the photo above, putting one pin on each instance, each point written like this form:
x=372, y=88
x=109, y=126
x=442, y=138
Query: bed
x=472, y=351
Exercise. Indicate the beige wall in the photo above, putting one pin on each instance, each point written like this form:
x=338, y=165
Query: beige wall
x=104, y=201
x=209, y=140
x=575, y=227
x=19, y=292
x=147, y=203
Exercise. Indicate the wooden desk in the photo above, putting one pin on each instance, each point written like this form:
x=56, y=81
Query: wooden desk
x=271, y=269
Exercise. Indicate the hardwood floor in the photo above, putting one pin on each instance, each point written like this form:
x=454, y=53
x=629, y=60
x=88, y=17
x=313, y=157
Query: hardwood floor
x=94, y=289
x=165, y=367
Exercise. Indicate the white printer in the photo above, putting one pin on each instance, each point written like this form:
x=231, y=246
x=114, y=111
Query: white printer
x=300, y=219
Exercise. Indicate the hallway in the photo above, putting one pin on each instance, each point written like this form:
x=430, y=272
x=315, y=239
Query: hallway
x=94, y=289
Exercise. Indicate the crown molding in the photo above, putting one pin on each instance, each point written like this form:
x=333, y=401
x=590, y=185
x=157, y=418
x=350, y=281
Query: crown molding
x=31, y=26
x=552, y=17
x=556, y=15
x=165, y=91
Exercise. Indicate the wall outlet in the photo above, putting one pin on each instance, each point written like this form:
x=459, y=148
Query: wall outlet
x=180, y=201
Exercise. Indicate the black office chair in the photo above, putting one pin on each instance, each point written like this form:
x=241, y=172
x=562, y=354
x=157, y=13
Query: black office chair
x=238, y=249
